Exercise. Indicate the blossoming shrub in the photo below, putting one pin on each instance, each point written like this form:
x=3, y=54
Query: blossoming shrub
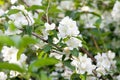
x=59, y=40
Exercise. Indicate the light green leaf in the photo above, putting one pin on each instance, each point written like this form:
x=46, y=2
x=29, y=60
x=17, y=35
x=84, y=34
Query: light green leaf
x=5, y=40
x=34, y=7
x=27, y=40
x=13, y=11
x=42, y=62
x=5, y=65
x=21, y=50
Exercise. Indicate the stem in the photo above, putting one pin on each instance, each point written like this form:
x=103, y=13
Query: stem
x=95, y=43
x=47, y=11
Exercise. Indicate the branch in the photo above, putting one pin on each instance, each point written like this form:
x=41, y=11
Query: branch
x=88, y=54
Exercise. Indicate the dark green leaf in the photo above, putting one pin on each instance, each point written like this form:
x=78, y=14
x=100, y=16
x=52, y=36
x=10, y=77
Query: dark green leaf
x=75, y=76
x=75, y=52
x=47, y=48
x=68, y=64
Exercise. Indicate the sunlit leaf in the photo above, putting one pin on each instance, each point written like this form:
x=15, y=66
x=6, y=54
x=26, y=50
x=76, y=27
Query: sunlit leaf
x=10, y=66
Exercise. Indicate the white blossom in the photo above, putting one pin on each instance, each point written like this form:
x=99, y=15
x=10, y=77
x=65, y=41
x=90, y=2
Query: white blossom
x=118, y=77
x=13, y=1
x=91, y=78
x=100, y=71
x=3, y=76
x=69, y=6
x=67, y=73
x=105, y=62
x=49, y=26
x=20, y=18
x=14, y=74
x=81, y=64
x=7, y=52
x=73, y=43
x=68, y=27
x=89, y=20
x=116, y=10
x=45, y=31
x=56, y=55
x=85, y=8
x=12, y=32
x=10, y=54
x=33, y=2
x=1, y=12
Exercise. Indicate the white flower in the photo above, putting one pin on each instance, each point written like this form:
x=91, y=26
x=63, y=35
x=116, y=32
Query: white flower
x=20, y=62
x=105, y=62
x=91, y=78
x=13, y=1
x=100, y=71
x=1, y=12
x=20, y=7
x=67, y=73
x=118, y=77
x=85, y=8
x=14, y=74
x=10, y=55
x=111, y=55
x=20, y=19
x=7, y=52
x=81, y=64
x=33, y=2
x=73, y=43
x=69, y=6
x=56, y=55
x=48, y=27
x=12, y=32
x=68, y=27
x=3, y=76
x=89, y=20
x=116, y=10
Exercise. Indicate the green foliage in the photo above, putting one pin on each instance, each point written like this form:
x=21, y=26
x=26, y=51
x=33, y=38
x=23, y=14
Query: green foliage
x=75, y=52
x=5, y=40
x=42, y=62
x=10, y=66
x=13, y=11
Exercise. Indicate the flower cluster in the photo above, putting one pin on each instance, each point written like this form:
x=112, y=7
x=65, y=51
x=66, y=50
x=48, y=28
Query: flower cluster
x=59, y=40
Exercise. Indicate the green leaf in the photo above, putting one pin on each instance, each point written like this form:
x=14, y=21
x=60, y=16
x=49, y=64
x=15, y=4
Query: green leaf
x=83, y=76
x=98, y=22
x=42, y=62
x=27, y=40
x=75, y=76
x=34, y=7
x=68, y=64
x=12, y=26
x=29, y=30
x=5, y=40
x=47, y=48
x=13, y=11
x=75, y=52
x=5, y=65
x=21, y=50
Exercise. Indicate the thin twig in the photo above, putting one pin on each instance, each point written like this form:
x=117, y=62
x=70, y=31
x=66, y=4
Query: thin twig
x=95, y=43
